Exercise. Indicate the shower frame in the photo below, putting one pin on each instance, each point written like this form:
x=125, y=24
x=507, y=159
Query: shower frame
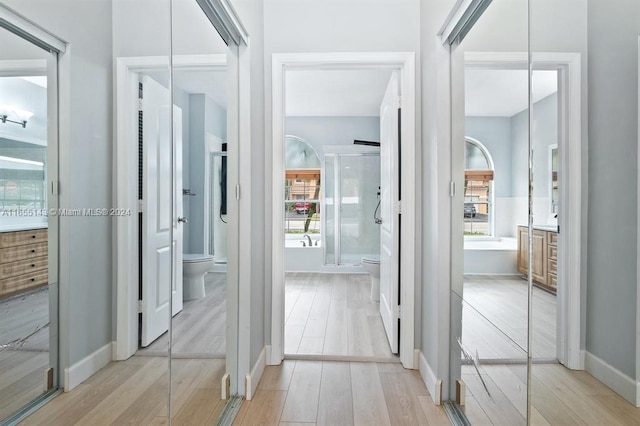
x=337, y=152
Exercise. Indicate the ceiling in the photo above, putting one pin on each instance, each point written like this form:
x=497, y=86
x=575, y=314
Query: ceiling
x=212, y=83
x=353, y=93
x=503, y=93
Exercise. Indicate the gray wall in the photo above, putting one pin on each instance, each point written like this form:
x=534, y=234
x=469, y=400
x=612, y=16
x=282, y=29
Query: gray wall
x=613, y=171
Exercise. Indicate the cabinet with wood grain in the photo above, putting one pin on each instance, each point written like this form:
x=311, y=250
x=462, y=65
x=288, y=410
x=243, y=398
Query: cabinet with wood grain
x=23, y=261
x=545, y=249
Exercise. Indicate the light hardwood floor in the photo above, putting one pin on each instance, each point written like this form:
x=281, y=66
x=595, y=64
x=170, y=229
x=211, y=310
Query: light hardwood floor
x=135, y=392
x=22, y=367
x=560, y=397
x=495, y=318
x=340, y=393
x=200, y=329
x=333, y=315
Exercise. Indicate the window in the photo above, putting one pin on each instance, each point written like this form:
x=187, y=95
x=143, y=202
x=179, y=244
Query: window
x=22, y=182
x=478, y=190
x=302, y=188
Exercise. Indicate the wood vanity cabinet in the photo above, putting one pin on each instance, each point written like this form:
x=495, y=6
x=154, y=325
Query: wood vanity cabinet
x=23, y=261
x=545, y=250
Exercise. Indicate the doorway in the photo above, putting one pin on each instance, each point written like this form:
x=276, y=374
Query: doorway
x=285, y=65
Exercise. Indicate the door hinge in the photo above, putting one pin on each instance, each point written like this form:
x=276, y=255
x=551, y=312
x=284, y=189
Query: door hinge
x=396, y=311
x=398, y=207
x=237, y=192
x=139, y=306
x=452, y=189
x=140, y=206
x=140, y=104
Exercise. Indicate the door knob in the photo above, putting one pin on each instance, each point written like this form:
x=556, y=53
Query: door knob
x=182, y=219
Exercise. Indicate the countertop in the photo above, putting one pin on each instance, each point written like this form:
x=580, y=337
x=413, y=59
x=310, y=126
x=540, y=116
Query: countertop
x=22, y=227
x=551, y=228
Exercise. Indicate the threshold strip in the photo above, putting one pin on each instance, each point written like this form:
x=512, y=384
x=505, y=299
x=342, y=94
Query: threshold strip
x=455, y=414
x=342, y=358
x=230, y=411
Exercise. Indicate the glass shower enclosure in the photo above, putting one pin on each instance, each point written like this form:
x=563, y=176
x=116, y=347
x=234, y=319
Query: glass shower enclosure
x=351, y=182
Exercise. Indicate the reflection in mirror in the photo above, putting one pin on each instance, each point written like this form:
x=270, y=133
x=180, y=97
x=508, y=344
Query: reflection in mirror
x=554, y=167
x=490, y=161
x=202, y=153
x=28, y=343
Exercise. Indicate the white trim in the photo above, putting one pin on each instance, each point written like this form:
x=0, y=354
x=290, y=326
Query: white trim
x=638, y=254
x=572, y=170
x=430, y=380
x=126, y=172
x=22, y=67
x=254, y=377
x=87, y=367
x=622, y=384
x=34, y=33
x=405, y=62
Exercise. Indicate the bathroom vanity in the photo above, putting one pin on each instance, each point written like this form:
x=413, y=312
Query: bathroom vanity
x=545, y=255
x=23, y=260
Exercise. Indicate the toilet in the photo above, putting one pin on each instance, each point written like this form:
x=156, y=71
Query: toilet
x=371, y=264
x=194, y=268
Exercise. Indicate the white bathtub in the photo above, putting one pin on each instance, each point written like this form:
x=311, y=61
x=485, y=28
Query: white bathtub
x=495, y=256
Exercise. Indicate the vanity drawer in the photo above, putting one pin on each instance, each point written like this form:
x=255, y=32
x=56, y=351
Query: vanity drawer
x=29, y=251
x=25, y=266
x=552, y=238
x=552, y=252
x=23, y=282
x=553, y=267
x=19, y=238
x=553, y=280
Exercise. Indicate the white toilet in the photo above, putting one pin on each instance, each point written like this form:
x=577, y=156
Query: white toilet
x=371, y=264
x=194, y=268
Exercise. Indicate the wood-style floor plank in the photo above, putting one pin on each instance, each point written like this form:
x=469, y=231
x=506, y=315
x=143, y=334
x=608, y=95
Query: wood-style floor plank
x=335, y=406
x=369, y=405
x=301, y=404
x=333, y=315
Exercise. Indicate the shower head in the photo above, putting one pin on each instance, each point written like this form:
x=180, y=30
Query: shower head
x=368, y=143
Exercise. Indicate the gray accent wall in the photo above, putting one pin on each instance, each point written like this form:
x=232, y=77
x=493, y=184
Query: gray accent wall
x=613, y=171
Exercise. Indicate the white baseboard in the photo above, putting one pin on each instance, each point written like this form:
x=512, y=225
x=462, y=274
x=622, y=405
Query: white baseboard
x=430, y=380
x=85, y=368
x=638, y=394
x=253, y=378
x=622, y=384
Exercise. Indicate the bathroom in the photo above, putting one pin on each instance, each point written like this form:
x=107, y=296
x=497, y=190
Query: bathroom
x=332, y=213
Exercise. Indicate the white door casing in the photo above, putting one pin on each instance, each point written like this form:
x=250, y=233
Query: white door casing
x=157, y=220
x=389, y=197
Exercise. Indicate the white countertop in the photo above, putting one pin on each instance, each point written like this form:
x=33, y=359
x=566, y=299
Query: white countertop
x=22, y=227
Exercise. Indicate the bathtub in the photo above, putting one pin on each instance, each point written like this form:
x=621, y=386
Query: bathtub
x=299, y=258
x=491, y=256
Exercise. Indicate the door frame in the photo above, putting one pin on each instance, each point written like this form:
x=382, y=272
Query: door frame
x=126, y=197
x=571, y=222
x=405, y=63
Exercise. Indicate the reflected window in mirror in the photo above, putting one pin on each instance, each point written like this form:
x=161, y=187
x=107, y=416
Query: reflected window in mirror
x=478, y=190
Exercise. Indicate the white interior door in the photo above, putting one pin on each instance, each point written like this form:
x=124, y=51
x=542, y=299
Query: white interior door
x=389, y=211
x=157, y=241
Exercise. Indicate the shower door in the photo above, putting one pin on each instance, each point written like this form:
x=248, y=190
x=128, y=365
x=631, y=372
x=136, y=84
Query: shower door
x=351, y=183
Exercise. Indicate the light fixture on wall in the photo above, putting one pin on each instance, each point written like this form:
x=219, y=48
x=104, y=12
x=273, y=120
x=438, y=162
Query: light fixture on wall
x=22, y=116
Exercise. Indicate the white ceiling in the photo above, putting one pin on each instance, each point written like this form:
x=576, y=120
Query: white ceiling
x=212, y=83
x=503, y=93
x=320, y=93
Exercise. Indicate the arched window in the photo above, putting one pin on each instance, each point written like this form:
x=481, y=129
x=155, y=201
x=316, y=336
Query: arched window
x=478, y=190
x=302, y=187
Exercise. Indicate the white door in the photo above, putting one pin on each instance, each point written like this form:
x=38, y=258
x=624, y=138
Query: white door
x=157, y=244
x=389, y=228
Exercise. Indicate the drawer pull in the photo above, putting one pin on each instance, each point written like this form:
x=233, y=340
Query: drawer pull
x=33, y=265
x=33, y=236
x=33, y=251
x=33, y=279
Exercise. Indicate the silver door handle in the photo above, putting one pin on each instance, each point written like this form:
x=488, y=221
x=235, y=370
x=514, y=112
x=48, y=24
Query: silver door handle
x=182, y=219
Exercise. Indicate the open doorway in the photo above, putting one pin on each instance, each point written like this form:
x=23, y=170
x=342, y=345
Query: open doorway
x=496, y=213
x=333, y=206
x=346, y=173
